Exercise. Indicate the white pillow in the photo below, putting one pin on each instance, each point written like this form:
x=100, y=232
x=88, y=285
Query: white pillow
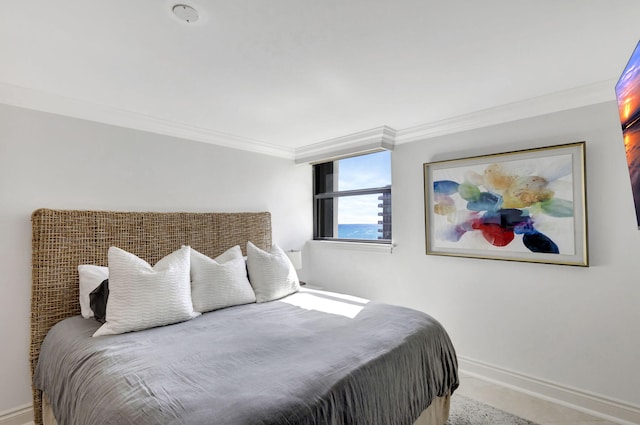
x=90, y=278
x=141, y=296
x=221, y=282
x=271, y=273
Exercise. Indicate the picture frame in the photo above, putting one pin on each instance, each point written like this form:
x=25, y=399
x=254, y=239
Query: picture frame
x=527, y=205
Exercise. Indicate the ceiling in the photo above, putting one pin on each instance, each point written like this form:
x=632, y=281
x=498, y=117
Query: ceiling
x=285, y=76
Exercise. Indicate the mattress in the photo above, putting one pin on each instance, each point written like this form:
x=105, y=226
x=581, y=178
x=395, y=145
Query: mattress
x=311, y=358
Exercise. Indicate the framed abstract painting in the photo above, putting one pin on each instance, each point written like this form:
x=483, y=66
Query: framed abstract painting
x=527, y=205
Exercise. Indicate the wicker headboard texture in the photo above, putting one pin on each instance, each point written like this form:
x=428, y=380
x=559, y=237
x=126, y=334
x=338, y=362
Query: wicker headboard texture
x=63, y=239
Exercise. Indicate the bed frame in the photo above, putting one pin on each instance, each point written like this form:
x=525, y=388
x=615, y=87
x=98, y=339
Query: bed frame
x=63, y=239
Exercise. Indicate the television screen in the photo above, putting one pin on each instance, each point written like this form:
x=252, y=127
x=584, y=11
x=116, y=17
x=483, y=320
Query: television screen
x=628, y=95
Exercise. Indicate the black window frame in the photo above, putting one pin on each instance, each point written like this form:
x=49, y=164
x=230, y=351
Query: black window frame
x=324, y=194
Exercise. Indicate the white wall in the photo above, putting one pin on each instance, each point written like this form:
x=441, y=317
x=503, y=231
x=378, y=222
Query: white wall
x=577, y=327
x=574, y=327
x=57, y=162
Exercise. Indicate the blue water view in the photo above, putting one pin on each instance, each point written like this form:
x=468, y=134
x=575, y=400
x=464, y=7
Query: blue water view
x=359, y=231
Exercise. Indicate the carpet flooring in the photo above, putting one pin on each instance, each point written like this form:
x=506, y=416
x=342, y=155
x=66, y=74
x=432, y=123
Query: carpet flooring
x=465, y=411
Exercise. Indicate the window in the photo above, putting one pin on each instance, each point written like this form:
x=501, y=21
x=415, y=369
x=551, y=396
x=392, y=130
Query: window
x=352, y=198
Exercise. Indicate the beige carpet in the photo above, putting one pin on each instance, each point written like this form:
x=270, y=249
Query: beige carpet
x=465, y=411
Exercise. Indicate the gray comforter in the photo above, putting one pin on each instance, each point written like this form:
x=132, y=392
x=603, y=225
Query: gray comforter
x=280, y=362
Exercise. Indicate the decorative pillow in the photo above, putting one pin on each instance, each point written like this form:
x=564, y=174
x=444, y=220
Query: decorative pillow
x=141, y=296
x=98, y=300
x=271, y=273
x=221, y=282
x=90, y=278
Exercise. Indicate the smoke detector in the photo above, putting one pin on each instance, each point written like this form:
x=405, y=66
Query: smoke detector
x=186, y=13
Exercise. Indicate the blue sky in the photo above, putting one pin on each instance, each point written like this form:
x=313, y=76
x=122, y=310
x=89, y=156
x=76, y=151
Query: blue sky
x=360, y=172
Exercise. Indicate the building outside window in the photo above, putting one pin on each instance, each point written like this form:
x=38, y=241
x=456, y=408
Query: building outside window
x=352, y=198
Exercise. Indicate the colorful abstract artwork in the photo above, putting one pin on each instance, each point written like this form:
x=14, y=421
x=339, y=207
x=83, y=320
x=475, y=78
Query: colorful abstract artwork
x=523, y=206
x=628, y=95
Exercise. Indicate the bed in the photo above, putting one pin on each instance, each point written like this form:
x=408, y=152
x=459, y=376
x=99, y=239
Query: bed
x=312, y=357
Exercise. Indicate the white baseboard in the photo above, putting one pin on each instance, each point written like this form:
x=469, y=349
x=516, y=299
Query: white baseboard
x=594, y=404
x=22, y=415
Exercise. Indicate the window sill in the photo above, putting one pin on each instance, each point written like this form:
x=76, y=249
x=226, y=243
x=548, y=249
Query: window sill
x=354, y=246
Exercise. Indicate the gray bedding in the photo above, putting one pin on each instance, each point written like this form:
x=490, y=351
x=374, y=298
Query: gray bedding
x=270, y=363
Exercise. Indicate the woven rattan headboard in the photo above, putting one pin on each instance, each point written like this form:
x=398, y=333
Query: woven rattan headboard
x=63, y=239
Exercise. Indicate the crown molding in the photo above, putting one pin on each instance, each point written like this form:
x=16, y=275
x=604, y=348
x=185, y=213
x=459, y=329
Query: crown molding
x=546, y=104
x=386, y=138
x=375, y=139
x=47, y=102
